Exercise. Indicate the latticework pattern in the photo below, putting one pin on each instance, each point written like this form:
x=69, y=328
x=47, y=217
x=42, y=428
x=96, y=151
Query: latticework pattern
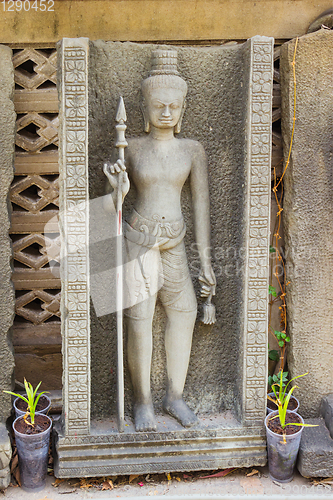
x=35, y=195
x=35, y=199
x=277, y=153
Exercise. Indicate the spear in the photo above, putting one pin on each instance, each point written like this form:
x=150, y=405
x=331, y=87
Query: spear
x=121, y=145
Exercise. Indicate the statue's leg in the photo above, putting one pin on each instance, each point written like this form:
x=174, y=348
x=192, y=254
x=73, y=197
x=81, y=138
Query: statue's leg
x=178, y=341
x=179, y=301
x=140, y=345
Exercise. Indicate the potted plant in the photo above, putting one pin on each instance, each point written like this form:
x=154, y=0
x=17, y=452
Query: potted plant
x=272, y=405
x=32, y=433
x=283, y=431
x=43, y=404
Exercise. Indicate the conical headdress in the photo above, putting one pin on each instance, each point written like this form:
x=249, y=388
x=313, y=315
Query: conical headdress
x=164, y=72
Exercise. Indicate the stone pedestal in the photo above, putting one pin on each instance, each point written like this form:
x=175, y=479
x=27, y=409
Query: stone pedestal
x=7, y=304
x=308, y=214
x=229, y=112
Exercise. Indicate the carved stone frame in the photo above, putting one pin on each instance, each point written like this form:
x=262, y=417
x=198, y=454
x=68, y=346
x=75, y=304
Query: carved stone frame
x=74, y=226
x=78, y=449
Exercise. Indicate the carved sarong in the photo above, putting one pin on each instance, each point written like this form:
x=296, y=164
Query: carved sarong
x=156, y=264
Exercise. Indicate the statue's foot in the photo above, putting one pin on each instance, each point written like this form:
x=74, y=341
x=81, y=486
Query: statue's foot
x=144, y=418
x=180, y=411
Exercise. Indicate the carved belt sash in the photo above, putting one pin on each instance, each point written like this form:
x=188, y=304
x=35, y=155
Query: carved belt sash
x=154, y=233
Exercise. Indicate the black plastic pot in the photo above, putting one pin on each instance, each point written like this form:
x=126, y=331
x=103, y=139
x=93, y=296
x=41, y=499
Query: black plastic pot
x=19, y=413
x=272, y=395
x=33, y=457
x=282, y=453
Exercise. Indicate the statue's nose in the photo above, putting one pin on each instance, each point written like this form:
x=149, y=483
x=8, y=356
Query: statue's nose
x=166, y=111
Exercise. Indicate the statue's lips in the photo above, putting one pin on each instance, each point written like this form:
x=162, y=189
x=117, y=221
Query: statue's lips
x=166, y=121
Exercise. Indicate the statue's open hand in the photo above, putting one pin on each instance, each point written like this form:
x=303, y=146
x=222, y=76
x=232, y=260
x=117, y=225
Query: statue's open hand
x=112, y=172
x=208, y=282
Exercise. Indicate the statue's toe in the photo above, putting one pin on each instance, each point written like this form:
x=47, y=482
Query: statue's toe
x=144, y=418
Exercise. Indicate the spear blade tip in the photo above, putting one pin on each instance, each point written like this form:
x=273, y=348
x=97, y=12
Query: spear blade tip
x=121, y=112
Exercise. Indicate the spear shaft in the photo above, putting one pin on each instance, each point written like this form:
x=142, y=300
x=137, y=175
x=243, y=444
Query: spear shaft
x=121, y=145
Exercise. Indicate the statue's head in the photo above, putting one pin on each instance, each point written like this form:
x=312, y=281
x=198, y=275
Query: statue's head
x=164, y=92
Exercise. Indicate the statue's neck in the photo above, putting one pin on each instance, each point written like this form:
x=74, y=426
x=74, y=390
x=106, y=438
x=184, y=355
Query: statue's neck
x=161, y=134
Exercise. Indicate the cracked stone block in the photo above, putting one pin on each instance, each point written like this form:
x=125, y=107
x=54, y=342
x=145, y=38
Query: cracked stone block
x=315, y=457
x=326, y=410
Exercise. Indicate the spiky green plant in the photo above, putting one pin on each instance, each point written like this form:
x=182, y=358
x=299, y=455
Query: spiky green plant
x=31, y=399
x=282, y=401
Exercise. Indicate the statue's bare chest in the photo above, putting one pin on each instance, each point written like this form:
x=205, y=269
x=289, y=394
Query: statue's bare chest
x=169, y=166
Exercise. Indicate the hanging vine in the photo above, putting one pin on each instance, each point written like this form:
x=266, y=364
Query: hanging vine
x=279, y=293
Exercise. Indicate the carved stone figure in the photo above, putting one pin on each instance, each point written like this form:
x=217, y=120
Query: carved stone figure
x=158, y=165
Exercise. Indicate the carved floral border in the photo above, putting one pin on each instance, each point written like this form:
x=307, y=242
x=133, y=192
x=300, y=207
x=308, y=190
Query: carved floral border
x=257, y=265
x=75, y=234
x=74, y=215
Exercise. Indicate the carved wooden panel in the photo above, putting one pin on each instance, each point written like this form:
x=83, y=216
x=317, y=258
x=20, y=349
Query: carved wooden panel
x=34, y=67
x=35, y=202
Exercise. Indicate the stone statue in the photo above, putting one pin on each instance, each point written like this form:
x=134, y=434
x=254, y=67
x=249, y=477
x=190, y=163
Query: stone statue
x=158, y=165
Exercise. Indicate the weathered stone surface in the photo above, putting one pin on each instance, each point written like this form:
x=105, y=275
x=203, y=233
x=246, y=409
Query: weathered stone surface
x=308, y=214
x=5, y=478
x=158, y=20
x=5, y=456
x=210, y=384
x=5, y=447
x=315, y=457
x=229, y=113
x=215, y=117
x=326, y=410
x=7, y=141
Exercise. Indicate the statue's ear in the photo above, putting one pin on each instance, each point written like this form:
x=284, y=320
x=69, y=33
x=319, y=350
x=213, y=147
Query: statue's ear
x=179, y=123
x=146, y=121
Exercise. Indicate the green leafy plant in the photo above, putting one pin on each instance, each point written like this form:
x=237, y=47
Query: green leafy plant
x=273, y=355
x=31, y=400
x=272, y=291
x=275, y=379
x=282, y=400
x=282, y=338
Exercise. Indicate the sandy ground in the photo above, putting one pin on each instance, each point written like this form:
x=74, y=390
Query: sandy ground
x=236, y=484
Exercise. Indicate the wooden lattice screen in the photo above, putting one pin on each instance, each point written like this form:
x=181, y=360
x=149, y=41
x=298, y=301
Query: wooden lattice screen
x=34, y=197
x=277, y=153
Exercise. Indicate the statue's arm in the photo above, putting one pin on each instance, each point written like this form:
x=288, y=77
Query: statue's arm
x=112, y=171
x=200, y=203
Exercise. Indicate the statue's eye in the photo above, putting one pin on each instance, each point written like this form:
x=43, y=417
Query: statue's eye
x=174, y=105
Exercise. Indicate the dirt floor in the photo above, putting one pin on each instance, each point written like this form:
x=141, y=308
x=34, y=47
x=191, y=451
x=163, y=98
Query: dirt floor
x=230, y=483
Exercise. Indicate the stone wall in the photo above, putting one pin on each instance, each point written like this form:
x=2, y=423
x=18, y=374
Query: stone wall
x=308, y=214
x=7, y=141
x=168, y=20
x=215, y=116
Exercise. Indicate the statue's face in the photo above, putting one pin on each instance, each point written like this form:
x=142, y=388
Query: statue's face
x=164, y=107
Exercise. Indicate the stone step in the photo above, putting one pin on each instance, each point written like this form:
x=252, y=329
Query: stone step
x=326, y=410
x=315, y=457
